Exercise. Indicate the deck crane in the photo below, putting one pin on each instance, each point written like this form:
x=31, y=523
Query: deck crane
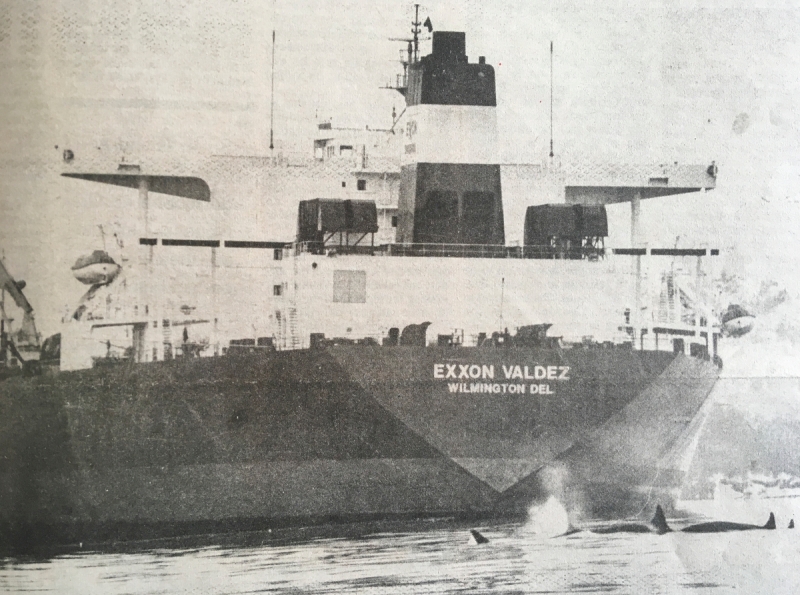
x=27, y=338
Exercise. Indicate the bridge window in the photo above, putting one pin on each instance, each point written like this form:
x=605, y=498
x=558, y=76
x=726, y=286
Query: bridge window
x=277, y=290
x=361, y=184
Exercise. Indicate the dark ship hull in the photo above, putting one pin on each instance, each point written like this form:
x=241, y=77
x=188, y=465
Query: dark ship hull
x=335, y=434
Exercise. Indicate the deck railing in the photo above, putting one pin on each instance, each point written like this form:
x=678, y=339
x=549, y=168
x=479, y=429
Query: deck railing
x=456, y=251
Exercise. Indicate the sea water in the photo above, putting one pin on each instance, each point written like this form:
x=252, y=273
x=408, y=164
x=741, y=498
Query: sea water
x=517, y=559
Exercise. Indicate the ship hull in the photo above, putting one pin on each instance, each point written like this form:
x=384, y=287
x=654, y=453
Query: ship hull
x=338, y=434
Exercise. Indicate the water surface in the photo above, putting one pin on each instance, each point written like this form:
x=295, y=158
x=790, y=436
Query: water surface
x=440, y=560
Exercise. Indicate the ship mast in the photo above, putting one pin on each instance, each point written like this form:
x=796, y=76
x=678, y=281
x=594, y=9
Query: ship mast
x=272, y=96
x=411, y=56
x=415, y=33
x=272, y=85
x=551, y=99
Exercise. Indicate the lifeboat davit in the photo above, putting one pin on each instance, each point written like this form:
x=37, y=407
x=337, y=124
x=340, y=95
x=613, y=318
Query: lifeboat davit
x=97, y=268
x=736, y=321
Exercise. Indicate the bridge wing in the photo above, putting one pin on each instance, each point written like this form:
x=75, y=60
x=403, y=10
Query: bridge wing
x=184, y=186
x=590, y=183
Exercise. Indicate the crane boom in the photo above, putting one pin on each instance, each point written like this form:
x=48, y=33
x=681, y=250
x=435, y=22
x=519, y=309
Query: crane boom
x=8, y=283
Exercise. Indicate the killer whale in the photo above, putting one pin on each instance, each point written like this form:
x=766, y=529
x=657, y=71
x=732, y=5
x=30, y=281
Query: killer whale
x=724, y=526
x=477, y=538
x=657, y=525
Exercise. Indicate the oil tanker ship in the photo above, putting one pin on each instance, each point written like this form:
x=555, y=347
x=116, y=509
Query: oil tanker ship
x=363, y=337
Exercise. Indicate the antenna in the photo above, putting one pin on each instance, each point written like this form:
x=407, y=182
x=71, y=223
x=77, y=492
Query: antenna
x=272, y=96
x=103, y=236
x=415, y=31
x=412, y=56
x=502, y=298
x=551, y=98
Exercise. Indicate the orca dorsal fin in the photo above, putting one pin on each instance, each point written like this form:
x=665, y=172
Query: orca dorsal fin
x=791, y=524
x=477, y=537
x=771, y=522
x=659, y=521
